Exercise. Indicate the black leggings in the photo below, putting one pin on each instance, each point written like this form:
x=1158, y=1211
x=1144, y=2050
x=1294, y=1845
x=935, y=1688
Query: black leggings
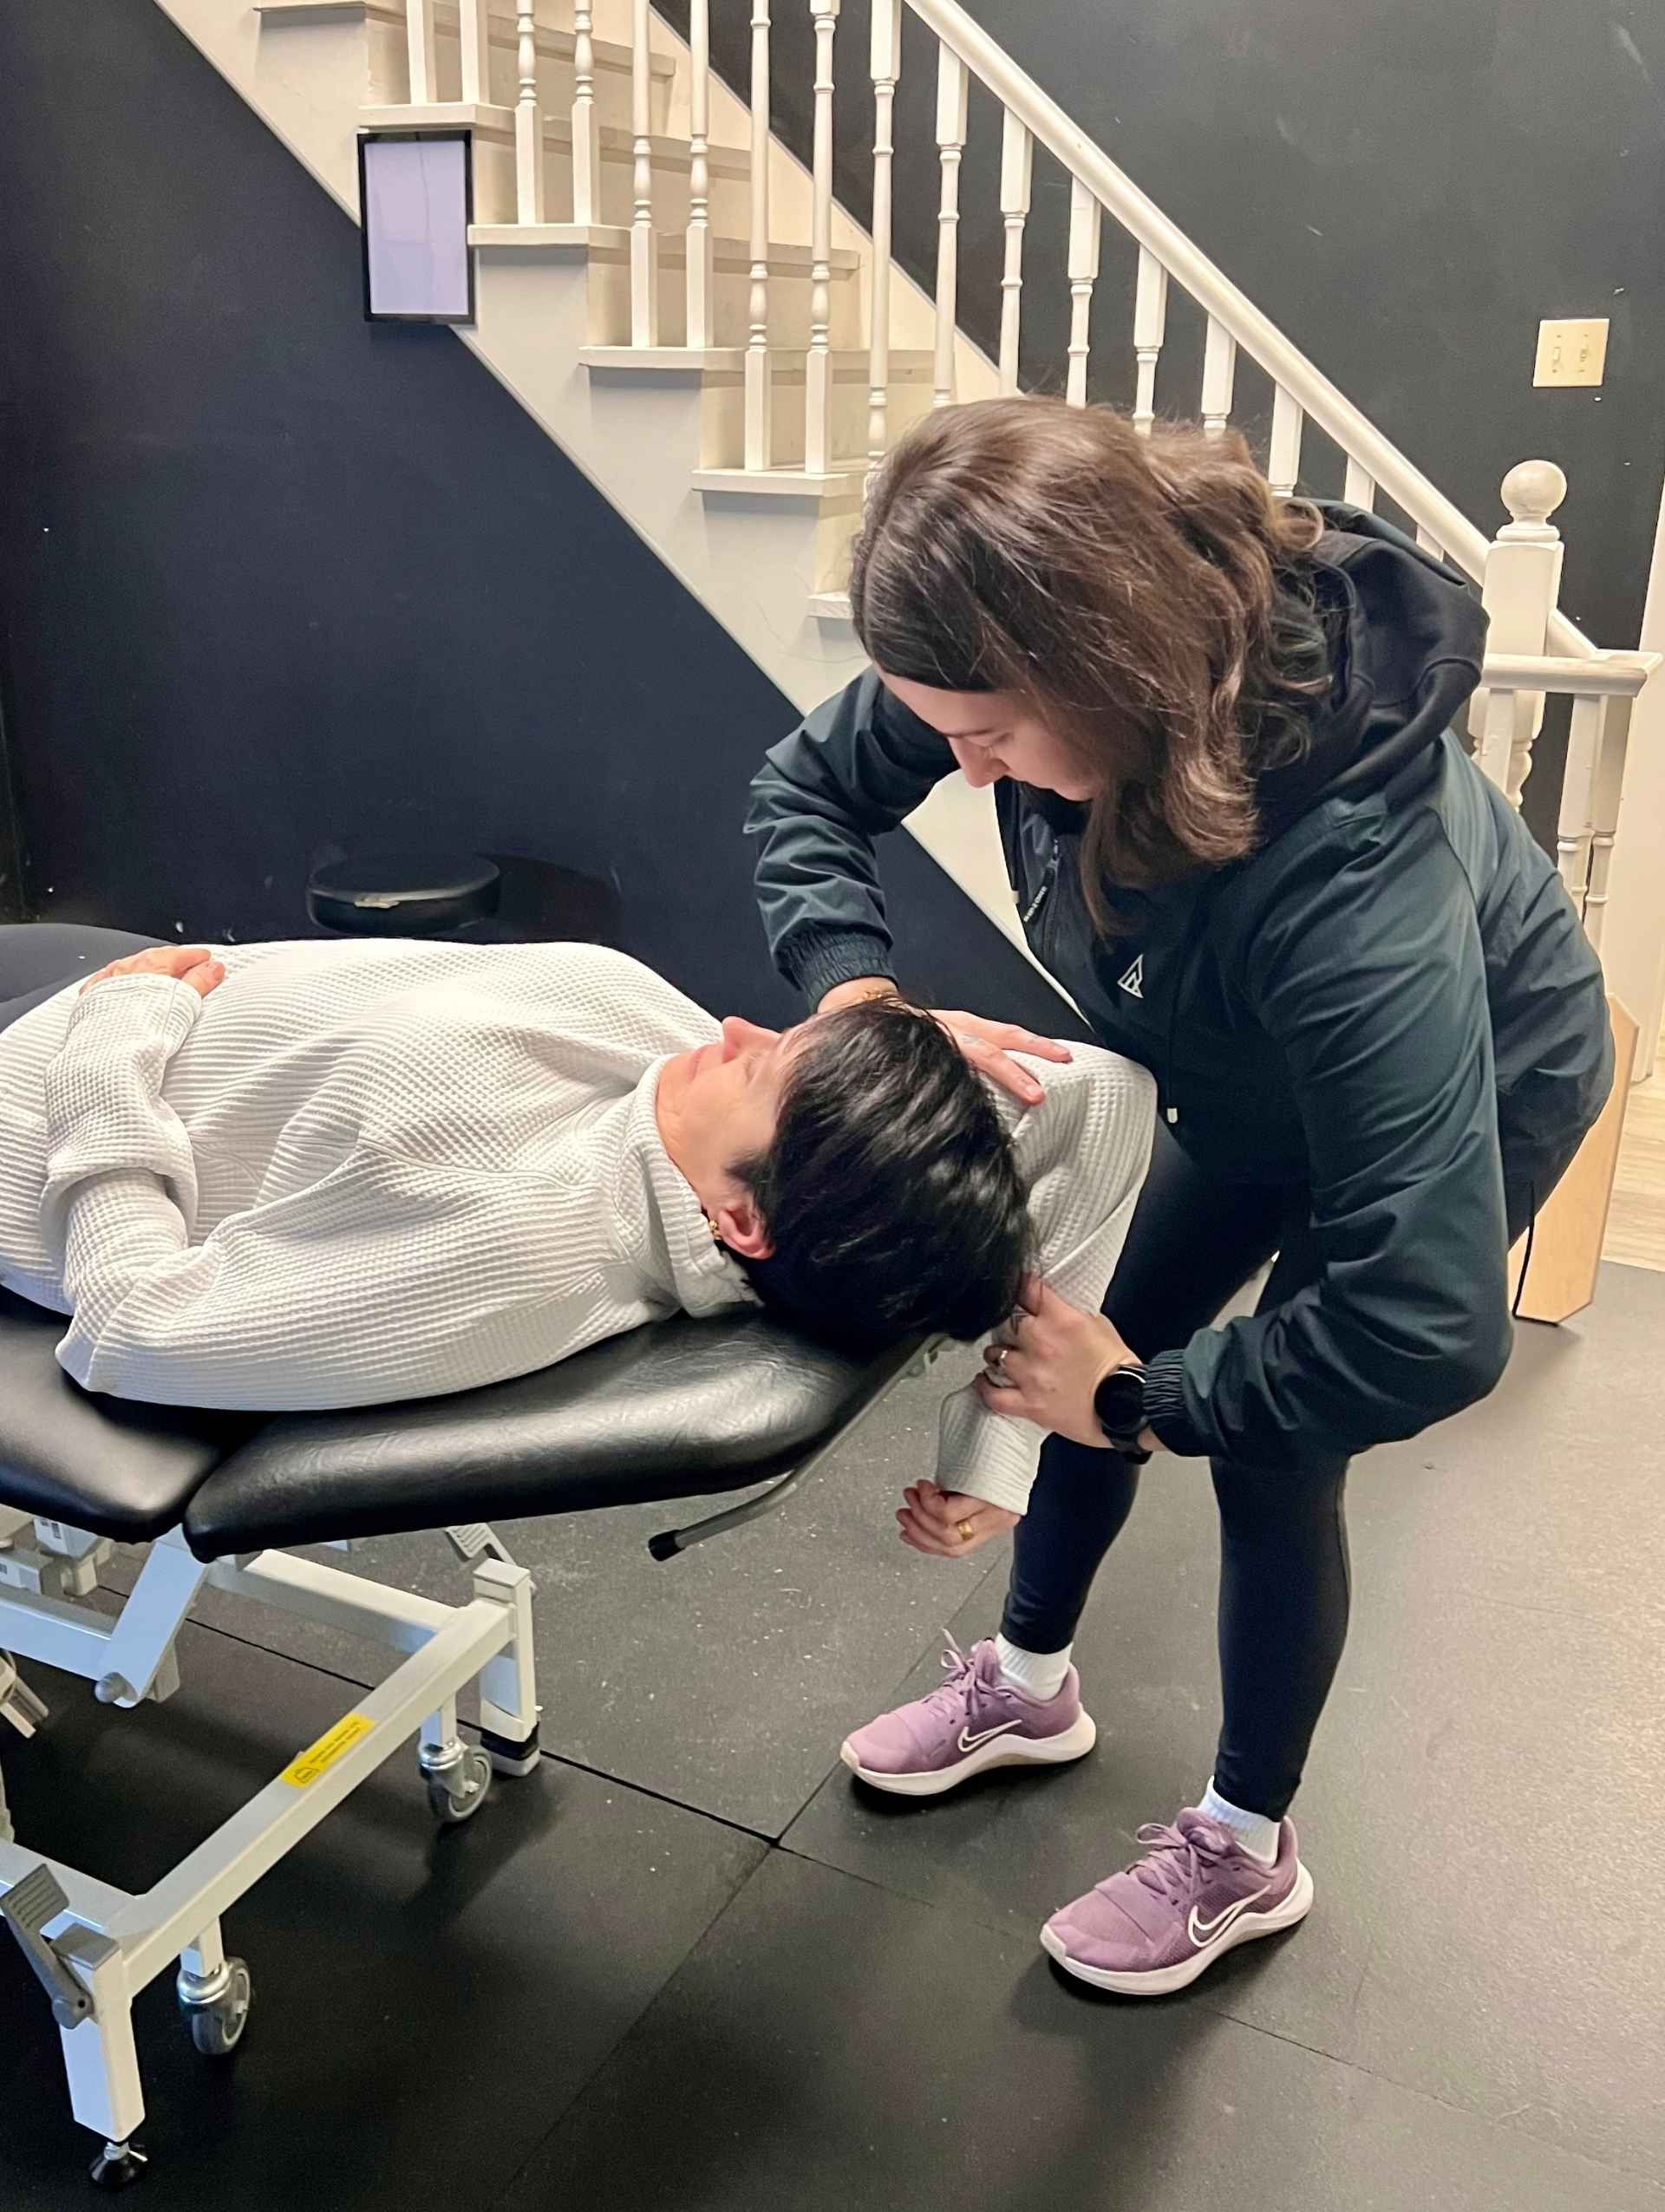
x=1284, y=1581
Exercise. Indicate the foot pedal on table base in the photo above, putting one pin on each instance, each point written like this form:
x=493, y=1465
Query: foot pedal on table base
x=29, y=1908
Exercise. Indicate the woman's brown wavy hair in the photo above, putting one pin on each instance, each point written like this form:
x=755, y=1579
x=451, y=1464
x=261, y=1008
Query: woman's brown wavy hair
x=1146, y=598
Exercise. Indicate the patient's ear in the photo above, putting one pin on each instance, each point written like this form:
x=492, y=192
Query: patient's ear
x=741, y=1228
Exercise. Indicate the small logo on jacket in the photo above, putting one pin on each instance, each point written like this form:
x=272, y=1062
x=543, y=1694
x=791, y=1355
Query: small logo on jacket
x=1134, y=982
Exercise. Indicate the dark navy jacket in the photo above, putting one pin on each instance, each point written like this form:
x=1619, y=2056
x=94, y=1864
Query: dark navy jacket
x=1390, y=1005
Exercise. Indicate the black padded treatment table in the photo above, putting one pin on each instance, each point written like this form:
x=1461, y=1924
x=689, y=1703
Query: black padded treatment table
x=681, y=1408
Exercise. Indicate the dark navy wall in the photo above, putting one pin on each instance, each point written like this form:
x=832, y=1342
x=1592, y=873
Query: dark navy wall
x=274, y=581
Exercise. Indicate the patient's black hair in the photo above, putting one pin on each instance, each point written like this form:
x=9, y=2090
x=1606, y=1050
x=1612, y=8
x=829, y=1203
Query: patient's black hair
x=891, y=1191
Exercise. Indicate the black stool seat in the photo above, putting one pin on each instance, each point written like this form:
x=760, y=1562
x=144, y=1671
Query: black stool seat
x=404, y=894
x=678, y=1409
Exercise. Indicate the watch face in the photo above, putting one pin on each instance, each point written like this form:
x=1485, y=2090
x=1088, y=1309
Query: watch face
x=1119, y=1402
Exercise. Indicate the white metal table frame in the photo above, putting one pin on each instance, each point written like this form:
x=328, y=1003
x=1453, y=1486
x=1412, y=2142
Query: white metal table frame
x=114, y=1943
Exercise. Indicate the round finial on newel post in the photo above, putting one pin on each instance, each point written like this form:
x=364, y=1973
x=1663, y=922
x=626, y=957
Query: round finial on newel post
x=1532, y=491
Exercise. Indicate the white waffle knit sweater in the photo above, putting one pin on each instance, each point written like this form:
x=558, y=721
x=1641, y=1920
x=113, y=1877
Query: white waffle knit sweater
x=363, y=1171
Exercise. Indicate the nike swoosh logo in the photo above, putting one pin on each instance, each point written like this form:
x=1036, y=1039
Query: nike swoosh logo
x=1201, y=1932
x=969, y=1743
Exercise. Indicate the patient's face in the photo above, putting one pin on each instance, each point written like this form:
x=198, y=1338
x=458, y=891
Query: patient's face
x=731, y=1089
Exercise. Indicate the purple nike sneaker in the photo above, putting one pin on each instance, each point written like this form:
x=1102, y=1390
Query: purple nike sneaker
x=1195, y=1895
x=972, y=1720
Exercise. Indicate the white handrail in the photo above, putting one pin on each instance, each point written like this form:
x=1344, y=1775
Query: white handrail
x=1604, y=675
x=1188, y=266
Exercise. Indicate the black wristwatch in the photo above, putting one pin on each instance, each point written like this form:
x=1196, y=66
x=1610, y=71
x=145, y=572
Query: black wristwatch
x=1118, y=1401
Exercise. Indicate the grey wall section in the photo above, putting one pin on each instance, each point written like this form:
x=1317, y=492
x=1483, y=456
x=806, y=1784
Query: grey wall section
x=273, y=581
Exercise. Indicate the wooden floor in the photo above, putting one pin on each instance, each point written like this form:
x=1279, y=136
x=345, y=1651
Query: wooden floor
x=1635, y=1227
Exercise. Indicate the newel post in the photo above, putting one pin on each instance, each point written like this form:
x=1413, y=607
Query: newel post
x=1523, y=579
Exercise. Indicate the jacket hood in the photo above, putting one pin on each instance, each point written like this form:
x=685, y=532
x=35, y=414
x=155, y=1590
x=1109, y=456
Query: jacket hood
x=1407, y=633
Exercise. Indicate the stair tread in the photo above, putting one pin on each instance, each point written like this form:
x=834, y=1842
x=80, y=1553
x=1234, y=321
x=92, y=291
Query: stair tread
x=610, y=54
x=786, y=257
x=844, y=480
x=852, y=359
x=488, y=115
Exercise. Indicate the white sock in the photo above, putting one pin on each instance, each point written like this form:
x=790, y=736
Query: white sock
x=1257, y=1834
x=1037, y=1674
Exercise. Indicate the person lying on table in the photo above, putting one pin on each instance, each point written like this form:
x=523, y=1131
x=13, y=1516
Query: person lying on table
x=292, y=1176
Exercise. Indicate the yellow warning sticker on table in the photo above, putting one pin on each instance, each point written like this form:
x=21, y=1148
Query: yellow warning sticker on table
x=318, y=1758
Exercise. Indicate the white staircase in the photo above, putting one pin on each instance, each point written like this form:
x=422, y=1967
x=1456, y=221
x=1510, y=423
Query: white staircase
x=696, y=320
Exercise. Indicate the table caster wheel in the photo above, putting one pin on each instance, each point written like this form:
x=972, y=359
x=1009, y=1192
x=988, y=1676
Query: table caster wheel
x=218, y=2019
x=458, y=1791
x=117, y=2166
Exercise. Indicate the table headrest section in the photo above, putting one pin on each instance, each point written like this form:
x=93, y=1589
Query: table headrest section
x=678, y=1409
x=102, y=1464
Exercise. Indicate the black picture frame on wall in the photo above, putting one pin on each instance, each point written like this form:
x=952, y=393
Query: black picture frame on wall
x=455, y=304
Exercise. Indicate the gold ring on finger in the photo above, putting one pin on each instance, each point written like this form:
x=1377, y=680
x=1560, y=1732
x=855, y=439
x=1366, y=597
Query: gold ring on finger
x=966, y=1531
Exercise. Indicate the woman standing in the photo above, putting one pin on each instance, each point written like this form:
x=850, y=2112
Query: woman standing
x=1243, y=835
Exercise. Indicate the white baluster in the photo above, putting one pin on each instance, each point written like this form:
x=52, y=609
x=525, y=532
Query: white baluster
x=1084, y=219
x=1604, y=812
x=1359, y=489
x=700, y=272
x=817, y=370
x=759, y=393
x=1523, y=577
x=886, y=52
x=1429, y=543
x=586, y=129
x=1577, y=796
x=1150, y=324
x=528, y=123
x=951, y=145
x=1016, y=178
x=474, y=27
x=645, y=258
x=419, y=44
x=1283, y=461
x=1220, y=378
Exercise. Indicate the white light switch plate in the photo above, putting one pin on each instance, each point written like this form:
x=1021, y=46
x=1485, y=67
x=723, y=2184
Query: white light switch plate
x=1571, y=353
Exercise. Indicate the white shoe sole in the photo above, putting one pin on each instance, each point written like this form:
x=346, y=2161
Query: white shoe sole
x=1073, y=1742
x=1162, y=1982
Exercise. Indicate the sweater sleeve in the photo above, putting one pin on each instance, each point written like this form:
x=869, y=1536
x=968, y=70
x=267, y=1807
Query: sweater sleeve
x=389, y=1278
x=852, y=770
x=1371, y=977
x=1083, y=1151
x=106, y=1116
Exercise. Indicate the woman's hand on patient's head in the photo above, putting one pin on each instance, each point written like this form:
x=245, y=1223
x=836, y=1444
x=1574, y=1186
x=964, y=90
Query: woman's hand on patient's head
x=192, y=964
x=988, y=1045
x=947, y=1524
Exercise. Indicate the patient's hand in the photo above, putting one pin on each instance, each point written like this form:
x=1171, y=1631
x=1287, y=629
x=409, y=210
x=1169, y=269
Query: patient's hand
x=931, y=1520
x=988, y=1045
x=192, y=964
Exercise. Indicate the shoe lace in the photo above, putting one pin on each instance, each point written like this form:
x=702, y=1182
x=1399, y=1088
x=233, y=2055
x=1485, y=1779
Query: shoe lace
x=1176, y=1863
x=959, y=1675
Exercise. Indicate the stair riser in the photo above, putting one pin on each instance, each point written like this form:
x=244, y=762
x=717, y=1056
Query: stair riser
x=389, y=70
x=610, y=306
x=730, y=199
x=722, y=427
